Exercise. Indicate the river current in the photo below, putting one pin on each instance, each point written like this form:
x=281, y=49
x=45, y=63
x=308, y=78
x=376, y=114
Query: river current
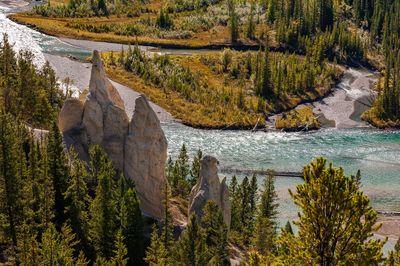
x=376, y=153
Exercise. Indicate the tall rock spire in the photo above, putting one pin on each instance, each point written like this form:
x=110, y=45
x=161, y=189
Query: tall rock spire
x=209, y=187
x=137, y=148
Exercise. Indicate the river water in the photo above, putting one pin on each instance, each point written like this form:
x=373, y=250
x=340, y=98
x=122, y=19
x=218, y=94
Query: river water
x=376, y=153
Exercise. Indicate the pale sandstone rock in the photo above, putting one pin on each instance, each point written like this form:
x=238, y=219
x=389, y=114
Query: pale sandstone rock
x=145, y=156
x=93, y=120
x=70, y=114
x=115, y=129
x=137, y=148
x=209, y=187
x=101, y=87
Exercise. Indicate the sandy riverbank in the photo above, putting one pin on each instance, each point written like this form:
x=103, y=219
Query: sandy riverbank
x=343, y=107
x=14, y=3
x=390, y=226
x=108, y=46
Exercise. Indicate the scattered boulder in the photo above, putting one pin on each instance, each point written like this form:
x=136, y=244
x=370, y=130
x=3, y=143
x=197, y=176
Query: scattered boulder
x=137, y=148
x=209, y=187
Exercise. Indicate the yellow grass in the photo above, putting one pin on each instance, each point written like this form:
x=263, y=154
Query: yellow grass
x=58, y=27
x=371, y=117
x=58, y=2
x=298, y=119
x=191, y=113
x=224, y=115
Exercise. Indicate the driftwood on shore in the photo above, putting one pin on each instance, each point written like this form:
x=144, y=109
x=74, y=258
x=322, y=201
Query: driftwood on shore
x=262, y=172
x=388, y=213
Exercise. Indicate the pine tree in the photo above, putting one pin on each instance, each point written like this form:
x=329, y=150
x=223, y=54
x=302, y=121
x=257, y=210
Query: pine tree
x=120, y=192
x=325, y=14
x=288, y=228
x=28, y=252
x=98, y=159
x=160, y=251
x=120, y=252
x=178, y=174
x=226, y=59
x=46, y=197
x=253, y=195
x=58, y=248
x=121, y=58
x=216, y=232
x=103, y=227
x=39, y=189
x=8, y=70
x=58, y=171
x=102, y=7
x=263, y=240
x=271, y=11
x=167, y=234
x=336, y=222
x=11, y=204
x=78, y=201
x=234, y=198
x=169, y=170
x=195, y=171
x=156, y=254
x=264, y=86
x=132, y=227
x=111, y=59
x=251, y=27
x=266, y=226
x=245, y=208
x=268, y=201
x=192, y=248
x=163, y=19
x=233, y=21
x=183, y=160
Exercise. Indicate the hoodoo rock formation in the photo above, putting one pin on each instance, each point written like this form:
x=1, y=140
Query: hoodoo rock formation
x=137, y=148
x=209, y=187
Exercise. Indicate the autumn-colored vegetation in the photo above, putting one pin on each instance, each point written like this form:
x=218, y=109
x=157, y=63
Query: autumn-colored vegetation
x=225, y=89
x=298, y=119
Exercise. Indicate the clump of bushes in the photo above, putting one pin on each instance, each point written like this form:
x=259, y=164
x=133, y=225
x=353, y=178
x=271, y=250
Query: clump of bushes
x=301, y=119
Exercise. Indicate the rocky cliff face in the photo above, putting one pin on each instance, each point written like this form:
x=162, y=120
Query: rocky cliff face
x=209, y=187
x=137, y=148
